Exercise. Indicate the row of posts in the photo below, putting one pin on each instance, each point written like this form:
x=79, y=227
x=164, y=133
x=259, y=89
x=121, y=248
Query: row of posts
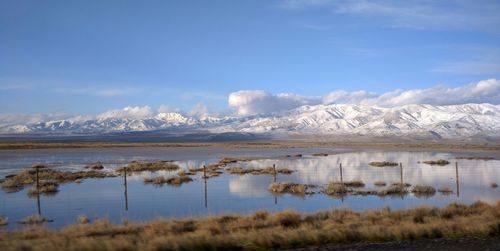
x=205, y=177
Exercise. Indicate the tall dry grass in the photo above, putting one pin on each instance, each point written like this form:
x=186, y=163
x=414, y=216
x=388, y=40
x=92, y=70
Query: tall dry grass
x=263, y=230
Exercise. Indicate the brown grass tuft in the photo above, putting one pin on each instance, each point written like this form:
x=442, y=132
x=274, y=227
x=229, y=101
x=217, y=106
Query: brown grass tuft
x=354, y=183
x=494, y=185
x=383, y=163
x=440, y=162
x=257, y=171
x=82, y=219
x=33, y=219
x=4, y=221
x=152, y=166
x=445, y=190
x=336, y=188
x=380, y=183
x=287, y=187
x=423, y=190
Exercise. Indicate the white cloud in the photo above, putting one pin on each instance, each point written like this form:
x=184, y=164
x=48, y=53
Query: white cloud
x=486, y=91
x=249, y=102
x=199, y=111
x=468, y=15
x=133, y=112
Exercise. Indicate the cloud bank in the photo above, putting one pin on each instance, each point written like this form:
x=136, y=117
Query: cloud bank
x=249, y=102
x=252, y=102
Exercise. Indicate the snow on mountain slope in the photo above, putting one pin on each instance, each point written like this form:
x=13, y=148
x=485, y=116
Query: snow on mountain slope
x=453, y=121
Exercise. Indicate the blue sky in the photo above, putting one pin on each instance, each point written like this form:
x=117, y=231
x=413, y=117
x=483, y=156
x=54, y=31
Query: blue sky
x=87, y=57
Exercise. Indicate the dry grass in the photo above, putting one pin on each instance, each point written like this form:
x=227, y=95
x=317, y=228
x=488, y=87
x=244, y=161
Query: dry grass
x=152, y=166
x=320, y=154
x=439, y=162
x=45, y=187
x=383, y=163
x=228, y=160
x=354, y=183
x=393, y=190
x=288, y=187
x=174, y=181
x=95, y=166
x=4, y=221
x=399, y=184
x=336, y=189
x=250, y=170
x=494, y=185
x=379, y=183
x=423, y=191
x=14, y=183
x=82, y=219
x=475, y=158
x=32, y=220
x=445, y=190
x=267, y=231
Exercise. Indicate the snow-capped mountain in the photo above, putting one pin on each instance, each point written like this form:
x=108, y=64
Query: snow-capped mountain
x=454, y=121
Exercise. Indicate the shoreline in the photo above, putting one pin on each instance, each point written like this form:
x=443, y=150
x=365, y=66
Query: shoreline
x=263, y=230
x=448, y=146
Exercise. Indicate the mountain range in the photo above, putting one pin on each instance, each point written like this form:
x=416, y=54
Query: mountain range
x=453, y=121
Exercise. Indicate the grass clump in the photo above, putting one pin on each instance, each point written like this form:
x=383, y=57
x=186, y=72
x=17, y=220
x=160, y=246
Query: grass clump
x=393, y=190
x=294, y=155
x=4, y=221
x=95, y=166
x=250, y=170
x=82, y=219
x=354, y=183
x=475, y=158
x=336, y=189
x=494, y=185
x=423, y=190
x=399, y=184
x=152, y=166
x=45, y=187
x=16, y=182
x=445, y=190
x=33, y=220
x=288, y=187
x=383, y=163
x=380, y=183
x=320, y=154
x=174, y=181
x=268, y=231
x=439, y=162
x=228, y=160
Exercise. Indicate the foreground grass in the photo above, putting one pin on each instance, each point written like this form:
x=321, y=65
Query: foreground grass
x=263, y=230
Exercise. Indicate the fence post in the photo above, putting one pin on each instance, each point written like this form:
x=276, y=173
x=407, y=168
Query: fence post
x=274, y=173
x=401, y=173
x=456, y=177
x=341, y=178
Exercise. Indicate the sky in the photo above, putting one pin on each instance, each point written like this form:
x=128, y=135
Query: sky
x=243, y=57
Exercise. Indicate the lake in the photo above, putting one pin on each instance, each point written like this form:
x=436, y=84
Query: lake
x=232, y=193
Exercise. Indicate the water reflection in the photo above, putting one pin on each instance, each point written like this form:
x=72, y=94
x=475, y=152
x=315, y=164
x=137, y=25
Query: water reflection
x=127, y=196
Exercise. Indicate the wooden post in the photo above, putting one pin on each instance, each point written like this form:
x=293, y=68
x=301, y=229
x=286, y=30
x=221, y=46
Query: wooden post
x=401, y=173
x=204, y=172
x=206, y=192
x=37, y=181
x=456, y=177
x=341, y=178
x=126, y=188
x=274, y=173
x=38, y=192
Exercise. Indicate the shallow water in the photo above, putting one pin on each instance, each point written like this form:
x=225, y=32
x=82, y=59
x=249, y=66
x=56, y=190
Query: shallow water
x=230, y=193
